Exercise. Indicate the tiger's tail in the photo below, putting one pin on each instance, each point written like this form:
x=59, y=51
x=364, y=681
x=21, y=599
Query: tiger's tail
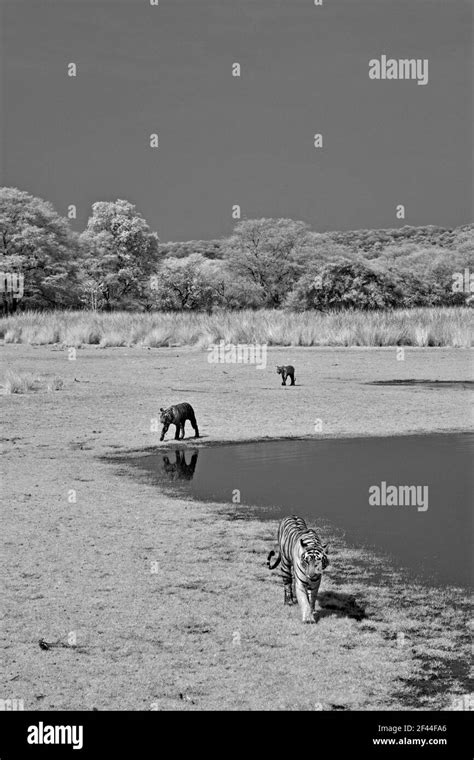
x=277, y=561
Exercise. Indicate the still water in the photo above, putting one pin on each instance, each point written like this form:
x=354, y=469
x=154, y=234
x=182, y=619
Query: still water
x=333, y=480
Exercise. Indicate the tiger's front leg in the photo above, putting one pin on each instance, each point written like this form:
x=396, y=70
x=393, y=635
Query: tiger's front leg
x=176, y=434
x=313, y=598
x=302, y=596
x=288, y=584
x=289, y=598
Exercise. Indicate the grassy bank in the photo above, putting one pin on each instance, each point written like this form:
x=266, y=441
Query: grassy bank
x=409, y=327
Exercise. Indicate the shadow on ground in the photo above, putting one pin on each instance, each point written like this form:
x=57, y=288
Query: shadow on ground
x=342, y=605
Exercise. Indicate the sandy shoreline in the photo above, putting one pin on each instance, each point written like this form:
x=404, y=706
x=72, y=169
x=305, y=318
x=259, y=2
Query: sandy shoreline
x=198, y=443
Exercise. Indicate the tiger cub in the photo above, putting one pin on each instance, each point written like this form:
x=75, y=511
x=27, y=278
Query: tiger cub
x=177, y=415
x=303, y=559
x=285, y=372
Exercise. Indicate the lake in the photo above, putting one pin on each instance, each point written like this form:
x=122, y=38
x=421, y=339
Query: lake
x=359, y=485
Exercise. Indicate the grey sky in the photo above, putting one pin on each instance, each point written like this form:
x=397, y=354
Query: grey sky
x=246, y=141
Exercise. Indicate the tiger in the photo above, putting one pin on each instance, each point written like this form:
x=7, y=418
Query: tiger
x=285, y=372
x=180, y=469
x=303, y=556
x=177, y=415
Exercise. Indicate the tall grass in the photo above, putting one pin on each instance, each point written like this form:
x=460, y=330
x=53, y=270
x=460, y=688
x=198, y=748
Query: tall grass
x=15, y=382
x=23, y=382
x=440, y=326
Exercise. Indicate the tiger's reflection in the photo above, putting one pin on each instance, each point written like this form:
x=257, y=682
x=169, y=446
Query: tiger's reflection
x=180, y=469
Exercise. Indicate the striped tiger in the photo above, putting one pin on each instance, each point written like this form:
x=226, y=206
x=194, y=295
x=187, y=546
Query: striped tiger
x=177, y=415
x=303, y=559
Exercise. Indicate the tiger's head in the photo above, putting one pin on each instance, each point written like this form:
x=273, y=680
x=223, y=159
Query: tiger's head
x=313, y=559
x=280, y=370
x=166, y=418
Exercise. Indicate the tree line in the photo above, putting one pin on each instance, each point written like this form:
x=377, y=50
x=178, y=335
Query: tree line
x=118, y=262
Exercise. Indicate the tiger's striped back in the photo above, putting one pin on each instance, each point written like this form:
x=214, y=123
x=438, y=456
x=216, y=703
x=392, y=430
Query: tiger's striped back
x=176, y=413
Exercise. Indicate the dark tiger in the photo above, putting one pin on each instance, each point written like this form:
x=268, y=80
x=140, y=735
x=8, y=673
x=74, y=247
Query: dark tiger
x=303, y=559
x=285, y=372
x=177, y=415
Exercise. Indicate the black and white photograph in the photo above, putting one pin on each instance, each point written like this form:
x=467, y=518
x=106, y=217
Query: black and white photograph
x=236, y=312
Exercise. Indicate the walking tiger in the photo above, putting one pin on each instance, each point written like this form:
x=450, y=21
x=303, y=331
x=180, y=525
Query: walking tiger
x=177, y=415
x=286, y=372
x=303, y=558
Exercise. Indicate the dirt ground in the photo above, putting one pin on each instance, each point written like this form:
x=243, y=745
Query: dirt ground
x=168, y=601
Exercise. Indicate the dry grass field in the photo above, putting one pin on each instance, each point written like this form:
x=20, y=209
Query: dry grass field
x=437, y=326
x=204, y=627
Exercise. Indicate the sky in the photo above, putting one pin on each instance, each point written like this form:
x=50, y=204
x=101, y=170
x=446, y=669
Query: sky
x=247, y=140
